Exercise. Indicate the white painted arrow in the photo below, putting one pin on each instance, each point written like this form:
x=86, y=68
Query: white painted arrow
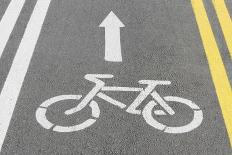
x=112, y=25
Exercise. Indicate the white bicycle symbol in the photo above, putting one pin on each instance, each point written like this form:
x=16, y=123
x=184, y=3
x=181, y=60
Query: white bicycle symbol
x=147, y=112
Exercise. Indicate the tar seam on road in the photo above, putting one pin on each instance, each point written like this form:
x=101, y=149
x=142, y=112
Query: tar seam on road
x=217, y=68
x=8, y=22
x=17, y=73
x=225, y=22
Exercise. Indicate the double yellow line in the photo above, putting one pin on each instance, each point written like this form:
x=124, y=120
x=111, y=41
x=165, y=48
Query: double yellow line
x=217, y=69
x=225, y=22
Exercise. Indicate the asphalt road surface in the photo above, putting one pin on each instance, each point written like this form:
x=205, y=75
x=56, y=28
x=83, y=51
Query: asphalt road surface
x=158, y=40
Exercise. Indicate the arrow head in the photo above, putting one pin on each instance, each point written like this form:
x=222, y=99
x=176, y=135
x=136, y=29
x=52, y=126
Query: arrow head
x=111, y=21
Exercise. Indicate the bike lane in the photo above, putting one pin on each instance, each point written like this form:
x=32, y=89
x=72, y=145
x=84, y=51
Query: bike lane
x=160, y=41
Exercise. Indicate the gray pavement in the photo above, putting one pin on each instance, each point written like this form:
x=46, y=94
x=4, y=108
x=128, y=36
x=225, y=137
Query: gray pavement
x=160, y=41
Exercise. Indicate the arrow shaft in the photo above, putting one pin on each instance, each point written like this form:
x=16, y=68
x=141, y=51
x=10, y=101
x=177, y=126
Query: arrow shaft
x=113, y=44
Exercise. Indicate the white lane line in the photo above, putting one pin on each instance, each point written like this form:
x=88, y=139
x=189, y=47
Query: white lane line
x=8, y=22
x=15, y=78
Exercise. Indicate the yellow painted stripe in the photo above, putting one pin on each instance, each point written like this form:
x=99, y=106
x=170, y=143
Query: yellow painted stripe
x=217, y=69
x=225, y=22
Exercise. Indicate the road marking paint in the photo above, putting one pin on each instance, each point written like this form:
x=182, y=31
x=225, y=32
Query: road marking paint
x=122, y=89
x=163, y=103
x=112, y=26
x=159, y=112
x=217, y=69
x=225, y=22
x=78, y=127
x=93, y=78
x=147, y=111
x=41, y=119
x=196, y=122
x=45, y=123
x=110, y=100
x=59, y=98
x=15, y=78
x=147, y=115
x=8, y=22
x=197, y=119
x=95, y=109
